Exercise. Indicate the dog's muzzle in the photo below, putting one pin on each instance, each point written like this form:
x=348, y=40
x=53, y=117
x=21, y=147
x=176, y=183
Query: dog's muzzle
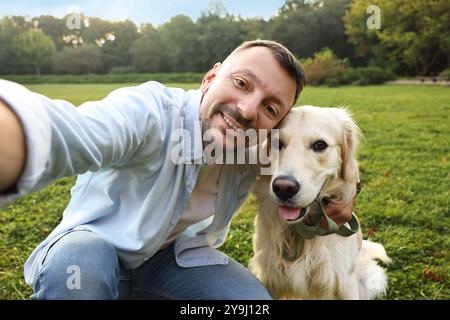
x=285, y=187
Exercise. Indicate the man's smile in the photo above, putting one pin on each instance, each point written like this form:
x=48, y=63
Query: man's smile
x=230, y=121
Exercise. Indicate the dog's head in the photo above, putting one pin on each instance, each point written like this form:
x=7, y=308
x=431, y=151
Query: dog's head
x=316, y=158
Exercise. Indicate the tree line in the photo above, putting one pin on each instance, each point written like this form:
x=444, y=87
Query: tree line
x=413, y=38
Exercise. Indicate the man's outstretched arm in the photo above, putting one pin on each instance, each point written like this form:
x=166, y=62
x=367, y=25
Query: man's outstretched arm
x=43, y=139
x=12, y=148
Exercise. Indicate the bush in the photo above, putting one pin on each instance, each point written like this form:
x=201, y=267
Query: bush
x=186, y=77
x=327, y=69
x=342, y=77
x=322, y=66
x=445, y=74
x=372, y=75
x=32, y=50
x=123, y=70
x=355, y=76
x=81, y=60
x=359, y=76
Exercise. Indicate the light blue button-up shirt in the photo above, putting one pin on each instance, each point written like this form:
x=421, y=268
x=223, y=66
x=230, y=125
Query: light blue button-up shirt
x=129, y=190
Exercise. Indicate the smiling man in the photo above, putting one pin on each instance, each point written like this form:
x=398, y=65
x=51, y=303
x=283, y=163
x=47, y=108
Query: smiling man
x=139, y=225
x=239, y=94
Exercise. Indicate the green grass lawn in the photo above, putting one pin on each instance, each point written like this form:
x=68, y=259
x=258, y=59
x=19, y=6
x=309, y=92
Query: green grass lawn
x=404, y=203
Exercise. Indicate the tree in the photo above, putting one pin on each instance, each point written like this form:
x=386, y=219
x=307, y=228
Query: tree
x=148, y=51
x=414, y=33
x=10, y=28
x=114, y=38
x=216, y=38
x=80, y=60
x=33, y=49
x=307, y=27
x=254, y=28
x=331, y=34
x=54, y=28
x=296, y=27
x=215, y=7
x=119, y=40
x=178, y=36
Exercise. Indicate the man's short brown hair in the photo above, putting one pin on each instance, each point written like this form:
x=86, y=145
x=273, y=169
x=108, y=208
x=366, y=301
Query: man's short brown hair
x=284, y=57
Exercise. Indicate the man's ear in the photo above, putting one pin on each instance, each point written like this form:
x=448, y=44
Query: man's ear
x=209, y=77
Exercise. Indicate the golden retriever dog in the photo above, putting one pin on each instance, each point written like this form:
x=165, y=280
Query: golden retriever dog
x=316, y=160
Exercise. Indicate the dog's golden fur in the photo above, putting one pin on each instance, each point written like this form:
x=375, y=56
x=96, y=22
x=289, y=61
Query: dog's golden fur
x=330, y=267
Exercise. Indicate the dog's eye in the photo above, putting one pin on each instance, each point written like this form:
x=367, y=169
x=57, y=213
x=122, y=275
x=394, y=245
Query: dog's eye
x=279, y=144
x=319, y=145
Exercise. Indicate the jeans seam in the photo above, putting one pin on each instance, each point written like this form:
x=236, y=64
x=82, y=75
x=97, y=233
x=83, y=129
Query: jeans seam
x=134, y=287
x=163, y=295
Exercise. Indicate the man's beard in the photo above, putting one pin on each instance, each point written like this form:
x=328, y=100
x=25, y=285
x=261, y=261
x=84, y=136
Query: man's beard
x=223, y=109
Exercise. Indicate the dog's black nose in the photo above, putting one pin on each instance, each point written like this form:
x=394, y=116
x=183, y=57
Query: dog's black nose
x=285, y=187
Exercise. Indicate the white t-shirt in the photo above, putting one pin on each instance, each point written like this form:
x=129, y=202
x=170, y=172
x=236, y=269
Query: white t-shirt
x=202, y=203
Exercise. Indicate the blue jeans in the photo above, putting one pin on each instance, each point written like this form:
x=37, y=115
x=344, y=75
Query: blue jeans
x=81, y=265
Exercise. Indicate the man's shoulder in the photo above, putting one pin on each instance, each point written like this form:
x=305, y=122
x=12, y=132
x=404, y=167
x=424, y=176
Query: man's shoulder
x=151, y=96
x=155, y=103
x=153, y=88
x=167, y=93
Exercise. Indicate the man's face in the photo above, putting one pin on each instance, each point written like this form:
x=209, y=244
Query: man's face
x=250, y=90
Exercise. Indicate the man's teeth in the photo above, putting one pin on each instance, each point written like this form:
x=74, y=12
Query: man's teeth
x=229, y=122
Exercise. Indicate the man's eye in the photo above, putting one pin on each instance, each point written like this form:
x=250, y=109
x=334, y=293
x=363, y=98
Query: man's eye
x=319, y=145
x=240, y=83
x=271, y=110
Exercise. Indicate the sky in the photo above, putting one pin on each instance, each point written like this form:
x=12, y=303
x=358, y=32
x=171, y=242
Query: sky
x=154, y=11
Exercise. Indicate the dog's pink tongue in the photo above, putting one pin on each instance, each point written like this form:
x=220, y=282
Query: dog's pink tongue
x=289, y=213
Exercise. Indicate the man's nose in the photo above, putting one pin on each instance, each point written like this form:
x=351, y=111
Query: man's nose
x=249, y=109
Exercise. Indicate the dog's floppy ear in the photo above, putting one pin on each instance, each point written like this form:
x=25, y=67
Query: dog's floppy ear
x=350, y=141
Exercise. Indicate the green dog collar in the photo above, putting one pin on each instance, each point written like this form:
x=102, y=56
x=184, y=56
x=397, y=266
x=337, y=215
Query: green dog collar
x=314, y=216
